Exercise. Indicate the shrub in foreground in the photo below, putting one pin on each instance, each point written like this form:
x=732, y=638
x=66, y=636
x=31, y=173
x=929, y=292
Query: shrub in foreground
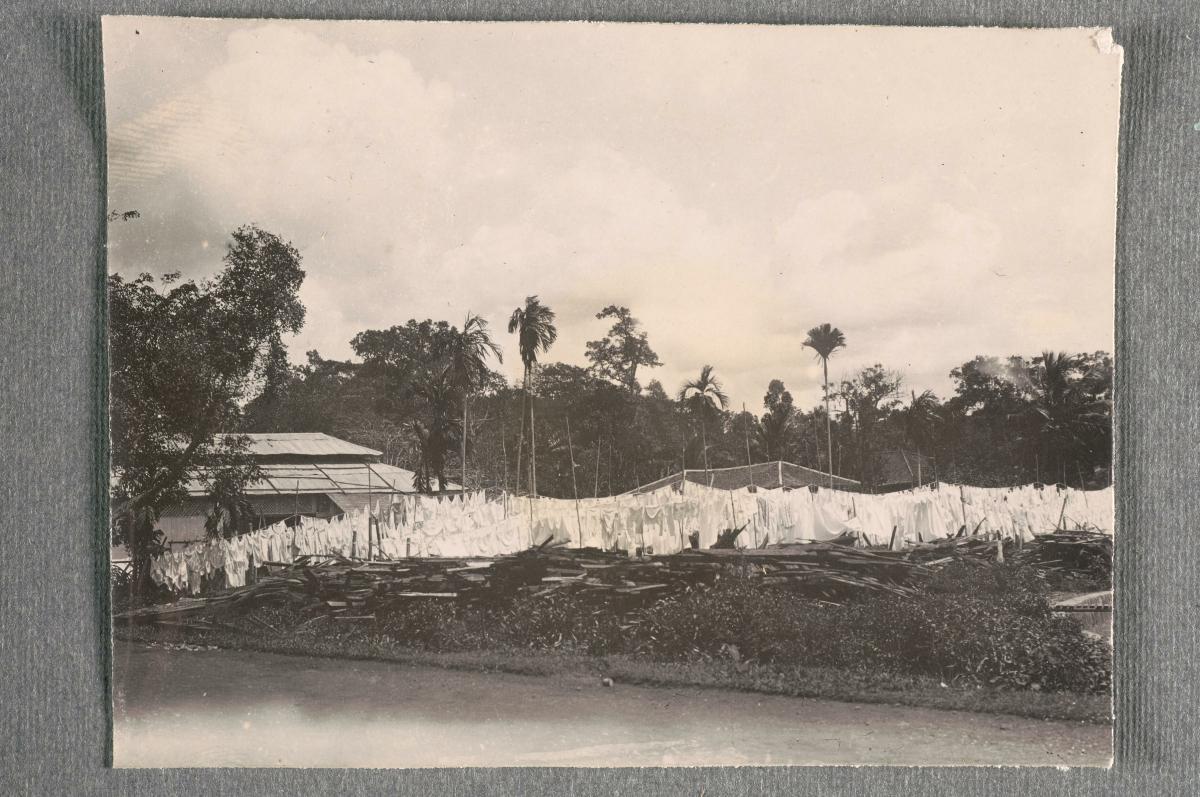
x=971, y=624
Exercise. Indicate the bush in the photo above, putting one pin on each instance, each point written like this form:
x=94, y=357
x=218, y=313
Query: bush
x=987, y=625
x=563, y=621
x=997, y=634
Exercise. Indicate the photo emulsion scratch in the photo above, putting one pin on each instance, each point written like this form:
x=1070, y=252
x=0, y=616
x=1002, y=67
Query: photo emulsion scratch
x=605, y=395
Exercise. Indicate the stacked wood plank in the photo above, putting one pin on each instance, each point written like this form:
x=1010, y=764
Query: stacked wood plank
x=358, y=590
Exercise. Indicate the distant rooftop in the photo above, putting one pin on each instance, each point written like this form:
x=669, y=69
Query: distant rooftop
x=768, y=475
x=303, y=444
x=328, y=478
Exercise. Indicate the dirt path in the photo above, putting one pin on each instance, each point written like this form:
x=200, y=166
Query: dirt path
x=236, y=708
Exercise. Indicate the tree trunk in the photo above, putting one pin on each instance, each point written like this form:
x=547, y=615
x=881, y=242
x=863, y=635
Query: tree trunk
x=704, y=443
x=532, y=450
x=521, y=434
x=828, y=422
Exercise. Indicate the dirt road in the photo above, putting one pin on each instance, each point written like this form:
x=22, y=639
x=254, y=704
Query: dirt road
x=234, y=708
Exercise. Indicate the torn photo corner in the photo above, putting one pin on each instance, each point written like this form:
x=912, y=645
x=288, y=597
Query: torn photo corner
x=608, y=395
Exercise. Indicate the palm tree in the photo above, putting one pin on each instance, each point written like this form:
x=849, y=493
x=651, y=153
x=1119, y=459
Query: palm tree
x=535, y=330
x=703, y=396
x=825, y=340
x=437, y=429
x=467, y=368
x=1069, y=413
x=920, y=417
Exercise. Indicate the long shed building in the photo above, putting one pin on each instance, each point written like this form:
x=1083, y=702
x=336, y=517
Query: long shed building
x=304, y=473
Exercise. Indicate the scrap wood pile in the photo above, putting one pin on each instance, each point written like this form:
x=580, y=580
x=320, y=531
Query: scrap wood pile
x=333, y=587
x=1077, y=551
x=359, y=590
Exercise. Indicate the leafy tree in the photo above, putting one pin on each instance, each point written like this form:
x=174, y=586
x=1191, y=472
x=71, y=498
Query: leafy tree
x=777, y=422
x=1072, y=409
x=618, y=355
x=824, y=340
x=184, y=357
x=413, y=367
x=870, y=398
x=1015, y=419
x=534, y=326
x=705, y=399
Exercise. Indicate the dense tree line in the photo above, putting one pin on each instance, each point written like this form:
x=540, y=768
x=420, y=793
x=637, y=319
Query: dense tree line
x=1010, y=420
x=190, y=360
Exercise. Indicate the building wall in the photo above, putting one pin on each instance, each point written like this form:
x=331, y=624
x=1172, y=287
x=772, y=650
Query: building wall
x=184, y=523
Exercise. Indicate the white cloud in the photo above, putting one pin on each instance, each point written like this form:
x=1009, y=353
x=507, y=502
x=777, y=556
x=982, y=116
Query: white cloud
x=733, y=192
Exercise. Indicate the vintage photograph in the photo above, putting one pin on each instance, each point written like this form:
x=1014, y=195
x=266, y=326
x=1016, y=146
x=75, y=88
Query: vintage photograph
x=609, y=395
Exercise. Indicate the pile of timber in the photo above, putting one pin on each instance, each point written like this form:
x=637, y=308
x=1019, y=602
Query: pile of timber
x=355, y=589
x=340, y=588
x=1076, y=551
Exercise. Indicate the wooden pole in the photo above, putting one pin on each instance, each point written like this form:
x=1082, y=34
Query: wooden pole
x=596, y=484
x=370, y=515
x=463, y=486
x=962, y=502
x=530, y=500
x=532, y=448
x=749, y=461
x=504, y=456
x=683, y=473
x=574, y=486
x=1082, y=489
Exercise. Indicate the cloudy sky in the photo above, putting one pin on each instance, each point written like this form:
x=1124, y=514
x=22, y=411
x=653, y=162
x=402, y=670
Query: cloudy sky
x=936, y=194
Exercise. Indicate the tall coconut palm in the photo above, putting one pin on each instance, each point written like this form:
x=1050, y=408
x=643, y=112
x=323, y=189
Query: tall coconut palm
x=703, y=396
x=466, y=369
x=825, y=340
x=535, y=330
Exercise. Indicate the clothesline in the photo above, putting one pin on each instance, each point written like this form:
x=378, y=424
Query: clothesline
x=664, y=521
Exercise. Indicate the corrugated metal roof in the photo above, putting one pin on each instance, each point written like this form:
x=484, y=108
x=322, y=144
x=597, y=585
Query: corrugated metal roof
x=307, y=444
x=329, y=478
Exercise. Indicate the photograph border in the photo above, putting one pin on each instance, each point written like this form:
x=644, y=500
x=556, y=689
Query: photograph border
x=57, y=736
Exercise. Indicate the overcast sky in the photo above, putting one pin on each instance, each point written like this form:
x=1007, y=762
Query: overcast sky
x=936, y=194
